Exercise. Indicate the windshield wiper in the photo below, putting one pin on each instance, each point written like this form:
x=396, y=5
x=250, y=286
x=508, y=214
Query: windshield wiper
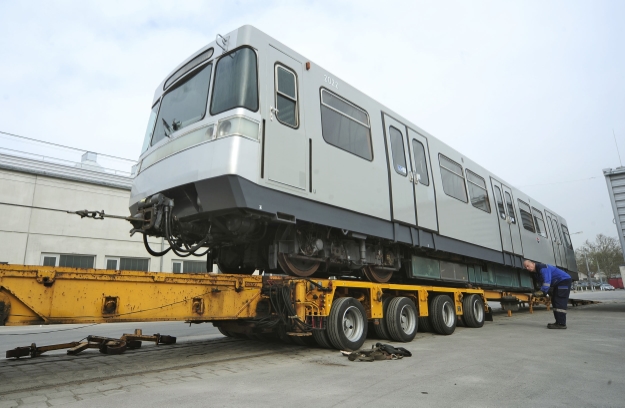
x=168, y=128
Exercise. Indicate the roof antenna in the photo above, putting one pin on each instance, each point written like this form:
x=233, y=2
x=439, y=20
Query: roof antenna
x=619, y=153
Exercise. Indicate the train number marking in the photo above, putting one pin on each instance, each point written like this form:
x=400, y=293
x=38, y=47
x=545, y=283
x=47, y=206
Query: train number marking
x=331, y=81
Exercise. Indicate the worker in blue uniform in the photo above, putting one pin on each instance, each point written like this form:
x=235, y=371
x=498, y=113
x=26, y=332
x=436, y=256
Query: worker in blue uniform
x=557, y=284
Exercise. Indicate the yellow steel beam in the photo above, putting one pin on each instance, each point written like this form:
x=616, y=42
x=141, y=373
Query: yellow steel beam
x=38, y=294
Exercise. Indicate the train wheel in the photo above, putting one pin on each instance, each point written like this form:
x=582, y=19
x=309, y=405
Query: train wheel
x=443, y=315
x=321, y=337
x=473, y=310
x=376, y=275
x=402, y=319
x=347, y=324
x=297, y=267
x=381, y=329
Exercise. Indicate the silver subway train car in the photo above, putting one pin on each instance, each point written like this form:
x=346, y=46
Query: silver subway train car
x=259, y=159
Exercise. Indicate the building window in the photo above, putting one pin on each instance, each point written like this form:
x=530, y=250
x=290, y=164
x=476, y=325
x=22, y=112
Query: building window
x=345, y=125
x=68, y=261
x=188, y=267
x=567, y=237
x=420, y=164
x=539, y=222
x=453, y=179
x=526, y=216
x=286, y=96
x=397, y=151
x=477, y=191
x=128, y=264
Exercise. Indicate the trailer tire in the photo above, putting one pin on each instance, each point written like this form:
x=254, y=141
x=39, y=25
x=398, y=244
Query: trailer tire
x=321, y=337
x=381, y=329
x=224, y=332
x=473, y=311
x=443, y=315
x=425, y=325
x=402, y=319
x=347, y=324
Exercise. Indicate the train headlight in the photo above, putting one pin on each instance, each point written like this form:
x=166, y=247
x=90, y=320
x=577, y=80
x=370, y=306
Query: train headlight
x=238, y=126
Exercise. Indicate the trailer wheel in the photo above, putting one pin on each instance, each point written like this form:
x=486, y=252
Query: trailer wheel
x=321, y=337
x=347, y=324
x=473, y=310
x=224, y=332
x=425, y=325
x=381, y=329
x=402, y=319
x=443, y=315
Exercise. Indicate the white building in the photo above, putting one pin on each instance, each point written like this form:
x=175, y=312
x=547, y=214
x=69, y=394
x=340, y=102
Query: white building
x=36, y=191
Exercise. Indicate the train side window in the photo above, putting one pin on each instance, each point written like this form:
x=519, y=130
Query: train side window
x=345, y=125
x=478, y=192
x=453, y=178
x=567, y=237
x=499, y=201
x=550, y=228
x=398, y=152
x=511, y=212
x=286, y=96
x=540, y=223
x=526, y=216
x=420, y=164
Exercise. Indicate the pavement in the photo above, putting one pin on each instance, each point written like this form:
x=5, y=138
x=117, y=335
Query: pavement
x=510, y=362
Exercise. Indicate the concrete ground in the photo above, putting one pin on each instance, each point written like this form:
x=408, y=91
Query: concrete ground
x=512, y=361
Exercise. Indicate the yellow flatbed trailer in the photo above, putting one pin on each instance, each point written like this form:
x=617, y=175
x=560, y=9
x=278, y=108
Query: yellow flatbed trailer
x=335, y=313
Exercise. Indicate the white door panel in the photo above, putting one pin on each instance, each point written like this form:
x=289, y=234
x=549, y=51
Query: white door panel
x=286, y=145
x=425, y=197
x=401, y=175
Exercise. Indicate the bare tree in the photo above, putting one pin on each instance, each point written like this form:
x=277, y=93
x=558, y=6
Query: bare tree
x=603, y=255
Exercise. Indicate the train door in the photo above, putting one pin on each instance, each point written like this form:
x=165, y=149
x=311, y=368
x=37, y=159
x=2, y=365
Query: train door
x=559, y=242
x=508, y=224
x=423, y=186
x=285, y=139
x=400, y=172
x=555, y=242
x=515, y=232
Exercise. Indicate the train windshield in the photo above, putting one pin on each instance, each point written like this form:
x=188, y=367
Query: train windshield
x=236, y=82
x=183, y=105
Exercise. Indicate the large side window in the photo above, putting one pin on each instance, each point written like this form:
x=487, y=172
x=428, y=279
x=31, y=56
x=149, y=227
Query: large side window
x=286, y=96
x=478, y=192
x=510, y=207
x=398, y=152
x=453, y=178
x=556, y=230
x=236, y=82
x=567, y=237
x=499, y=201
x=420, y=164
x=526, y=216
x=540, y=222
x=345, y=125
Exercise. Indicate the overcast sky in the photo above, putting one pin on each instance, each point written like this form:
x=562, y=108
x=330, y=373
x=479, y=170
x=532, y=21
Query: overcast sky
x=532, y=90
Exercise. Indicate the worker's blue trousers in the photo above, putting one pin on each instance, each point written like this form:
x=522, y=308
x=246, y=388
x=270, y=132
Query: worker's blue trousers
x=560, y=300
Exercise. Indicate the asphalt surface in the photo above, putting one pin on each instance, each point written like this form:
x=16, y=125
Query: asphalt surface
x=512, y=361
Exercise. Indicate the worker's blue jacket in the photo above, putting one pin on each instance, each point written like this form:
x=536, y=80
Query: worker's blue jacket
x=551, y=276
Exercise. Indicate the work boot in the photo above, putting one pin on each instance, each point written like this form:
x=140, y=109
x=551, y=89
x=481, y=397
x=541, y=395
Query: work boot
x=556, y=326
x=551, y=324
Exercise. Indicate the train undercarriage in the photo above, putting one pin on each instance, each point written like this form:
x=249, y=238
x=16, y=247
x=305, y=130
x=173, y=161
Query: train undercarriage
x=241, y=241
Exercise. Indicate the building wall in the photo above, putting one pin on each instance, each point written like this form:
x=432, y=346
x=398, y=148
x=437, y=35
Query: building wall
x=27, y=232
